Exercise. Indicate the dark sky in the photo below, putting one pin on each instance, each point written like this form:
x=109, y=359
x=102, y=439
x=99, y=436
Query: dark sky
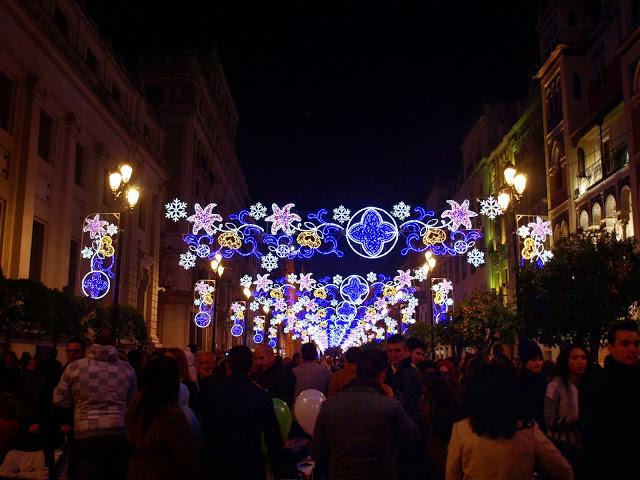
x=352, y=101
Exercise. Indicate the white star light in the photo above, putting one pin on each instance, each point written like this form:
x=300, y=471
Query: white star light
x=87, y=252
x=269, y=262
x=253, y=306
x=401, y=211
x=372, y=277
x=292, y=278
x=306, y=282
x=419, y=274
x=459, y=214
x=246, y=281
x=337, y=279
x=523, y=231
x=475, y=257
x=540, y=228
x=341, y=214
x=258, y=211
x=283, y=219
x=490, y=208
x=176, y=209
x=403, y=278
x=187, y=260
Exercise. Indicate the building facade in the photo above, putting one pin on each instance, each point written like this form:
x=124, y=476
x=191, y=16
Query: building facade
x=588, y=85
x=69, y=115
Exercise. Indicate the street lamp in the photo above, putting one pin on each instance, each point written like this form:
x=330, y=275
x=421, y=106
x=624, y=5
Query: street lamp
x=428, y=266
x=127, y=195
x=247, y=295
x=218, y=270
x=516, y=185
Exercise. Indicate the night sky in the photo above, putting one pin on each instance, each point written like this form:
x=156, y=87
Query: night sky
x=353, y=102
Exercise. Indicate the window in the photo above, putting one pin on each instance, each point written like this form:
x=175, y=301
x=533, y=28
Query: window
x=45, y=136
x=37, y=251
x=60, y=19
x=92, y=61
x=596, y=214
x=115, y=91
x=73, y=264
x=77, y=172
x=584, y=219
x=559, y=183
x=576, y=84
x=581, y=163
x=610, y=207
x=6, y=102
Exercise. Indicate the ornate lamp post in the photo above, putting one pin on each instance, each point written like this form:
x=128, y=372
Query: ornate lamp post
x=127, y=196
x=218, y=270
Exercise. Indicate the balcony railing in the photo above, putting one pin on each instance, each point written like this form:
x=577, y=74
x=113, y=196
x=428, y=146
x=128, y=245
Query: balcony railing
x=603, y=168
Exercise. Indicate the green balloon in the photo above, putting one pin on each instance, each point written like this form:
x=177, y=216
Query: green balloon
x=283, y=415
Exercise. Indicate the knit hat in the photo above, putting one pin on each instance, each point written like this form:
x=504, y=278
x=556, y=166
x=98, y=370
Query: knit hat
x=528, y=351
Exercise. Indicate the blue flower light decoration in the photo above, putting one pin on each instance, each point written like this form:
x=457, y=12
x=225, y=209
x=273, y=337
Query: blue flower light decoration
x=372, y=233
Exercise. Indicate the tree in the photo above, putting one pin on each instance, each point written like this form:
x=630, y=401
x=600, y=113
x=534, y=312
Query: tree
x=27, y=307
x=591, y=281
x=72, y=314
x=130, y=322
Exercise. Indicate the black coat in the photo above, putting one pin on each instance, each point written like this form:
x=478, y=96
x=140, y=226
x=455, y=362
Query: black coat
x=236, y=413
x=533, y=388
x=405, y=382
x=609, y=421
x=279, y=381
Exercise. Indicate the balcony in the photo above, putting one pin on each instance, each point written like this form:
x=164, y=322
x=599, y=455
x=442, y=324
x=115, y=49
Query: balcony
x=603, y=168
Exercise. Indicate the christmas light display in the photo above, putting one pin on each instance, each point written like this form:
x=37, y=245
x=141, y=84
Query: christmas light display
x=441, y=289
x=370, y=232
x=334, y=311
x=533, y=240
x=258, y=329
x=237, y=318
x=490, y=207
x=203, y=300
x=99, y=240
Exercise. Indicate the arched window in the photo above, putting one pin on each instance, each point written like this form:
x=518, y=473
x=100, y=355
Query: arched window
x=577, y=85
x=584, y=219
x=610, y=207
x=626, y=210
x=581, y=162
x=564, y=230
x=596, y=214
x=556, y=234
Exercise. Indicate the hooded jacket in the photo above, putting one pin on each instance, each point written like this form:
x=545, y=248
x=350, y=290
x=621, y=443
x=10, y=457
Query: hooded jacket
x=99, y=387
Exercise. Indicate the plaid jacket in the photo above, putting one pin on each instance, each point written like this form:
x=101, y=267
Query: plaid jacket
x=99, y=387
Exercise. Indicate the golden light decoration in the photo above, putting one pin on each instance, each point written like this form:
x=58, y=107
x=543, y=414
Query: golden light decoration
x=309, y=238
x=240, y=314
x=207, y=299
x=434, y=236
x=320, y=293
x=230, y=240
x=106, y=247
x=389, y=291
x=529, y=249
x=322, y=313
x=438, y=298
x=276, y=294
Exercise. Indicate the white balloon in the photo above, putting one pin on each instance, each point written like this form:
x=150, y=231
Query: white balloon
x=307, y=407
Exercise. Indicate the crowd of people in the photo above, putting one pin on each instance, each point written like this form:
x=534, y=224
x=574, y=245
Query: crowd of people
x=390, y=413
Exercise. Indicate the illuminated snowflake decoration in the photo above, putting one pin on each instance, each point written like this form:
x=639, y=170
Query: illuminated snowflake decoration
x=337, y=279
x=246, y=281
x=187, y=260
x=341, y=214
x=401, y=211
x=283, y=219
x=292, y=278
x=112, y=230
x=204, y=218
x=459, y=215
x=87, y=252
x=176, y=209
x=490, y=207
x=254, y=306
x=269, y=262
x=523, y=231
x=420, y=274
x=475, y=257
x=258, y=211
x=371, y=277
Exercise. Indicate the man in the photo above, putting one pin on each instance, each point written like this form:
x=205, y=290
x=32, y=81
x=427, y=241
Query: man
x=341, y=379
x=359, y=430
x=76, y=349
x=236, y=414
x=99, y=387
x=402, y=377
x=417, y=349
x=309, y=374
x=270, y=374
x=609, y=408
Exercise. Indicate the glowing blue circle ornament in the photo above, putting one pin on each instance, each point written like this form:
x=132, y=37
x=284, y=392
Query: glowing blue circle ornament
x=372, y=232
x=237, y=330
x=95, y=284
x=354, y=289
x=202, y=319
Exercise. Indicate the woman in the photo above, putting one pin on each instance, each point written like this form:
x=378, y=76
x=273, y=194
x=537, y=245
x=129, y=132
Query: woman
x=499, y=440
x=561, y=401
x=33, y=397
x=162, y=444
x=533, y=383
x=185, y=376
